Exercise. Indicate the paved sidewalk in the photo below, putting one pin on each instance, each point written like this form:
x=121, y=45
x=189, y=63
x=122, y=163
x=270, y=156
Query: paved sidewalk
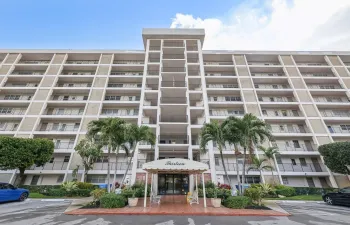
x=179, y=208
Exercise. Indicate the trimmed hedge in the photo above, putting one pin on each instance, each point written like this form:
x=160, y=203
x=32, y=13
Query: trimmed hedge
x=313, y=191
x=237, y=202
x=56, y=192
x=285, y=190
x=112, y=200
x=39, y=188
x=209, y=192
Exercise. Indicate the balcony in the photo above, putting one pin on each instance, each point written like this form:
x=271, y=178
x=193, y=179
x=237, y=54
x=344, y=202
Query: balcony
x=192, y=60
x=63, y=145
x=174, y=56
x=325, y=86
x=56, y=165
x=281, y=113
x=34, y=62
x=82, y=62
x=120, y=112
x=267, y=74
x=264, y=63
x=69, y=85
x=154, y=48
x=299, y=147
x=233, y=167
x=20, y=72
x=174, y=119
x=224, y=99
x=276, y=99
x=289, y=129
x=314, y=167
x=335, y=113
x=78, y=73
x=225, y=112
x=222, y=85
x=153, y=73
x=173, y=100
x=272, y=86
x=174, y=84
x=19, y=84
x=154, y=60
x=331, y=99
x=119, y=85
x=340, y=129
x=69, y=98
x=173, y=139
x=64, y=111
x=312, y=64
x=193, y=72
x=59, y=127
x=173, y=44
x=129, y=62
x=317, y=75
x=174, y=69
x=16, y=97
x=12, y=111
x=218, y=63
x=191, y=48
x=122, y=98
x=8, y=126
x=116, y=73
x=219, y=75
x=104, y=166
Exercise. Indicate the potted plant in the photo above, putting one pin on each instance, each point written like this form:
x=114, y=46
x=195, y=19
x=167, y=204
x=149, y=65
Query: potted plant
x=215, y=201
x=133, y=200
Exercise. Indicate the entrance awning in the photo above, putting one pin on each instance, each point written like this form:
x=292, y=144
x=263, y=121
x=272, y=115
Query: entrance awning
x=175, y=165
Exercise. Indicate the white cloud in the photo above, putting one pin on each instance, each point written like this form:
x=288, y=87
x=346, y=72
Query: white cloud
x=276, y=25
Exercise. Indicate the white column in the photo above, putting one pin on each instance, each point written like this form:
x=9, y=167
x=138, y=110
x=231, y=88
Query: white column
x=205, y=198
x=145, y=197
x=150, y=194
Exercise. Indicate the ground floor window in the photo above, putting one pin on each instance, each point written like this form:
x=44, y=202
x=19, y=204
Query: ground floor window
x=96, y=178
x=173, y=184
x=251, y=179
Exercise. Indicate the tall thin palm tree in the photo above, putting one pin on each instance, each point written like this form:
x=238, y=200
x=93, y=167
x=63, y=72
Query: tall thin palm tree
x=120, y=141
x=134, y=135
x=107, y=130
x=259, y=164
x=214, y=131
x=269, y=154
x=252, y=131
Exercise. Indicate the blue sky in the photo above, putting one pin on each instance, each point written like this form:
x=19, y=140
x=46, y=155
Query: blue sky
x=93, y=24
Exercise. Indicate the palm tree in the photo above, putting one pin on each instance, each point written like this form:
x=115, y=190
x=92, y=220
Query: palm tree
x=213, y=131
x=108, y=131
x=134, y=135
x=259, y=164
x=252, y=131
x=270, y=153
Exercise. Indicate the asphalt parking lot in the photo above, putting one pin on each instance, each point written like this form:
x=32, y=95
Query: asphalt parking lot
x=50, y=212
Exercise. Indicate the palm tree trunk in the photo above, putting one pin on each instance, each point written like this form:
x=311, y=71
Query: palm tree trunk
x=273, y=177
x=237, y=167
x=243, y=170
x=223, y=164
x=129, y=163
x=115, y=169
x=108, y=167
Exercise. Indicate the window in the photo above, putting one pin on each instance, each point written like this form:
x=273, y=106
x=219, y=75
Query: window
x=12, y=97
x=66, y=158
x=256, y=85
x=65, y=98
x=276, y=113
x=285, y=180
x=60, y=178
x=103, y=159
x=278, y=159
x=57, y=144
x=287, y=143
x=272, y=99
x=96, y=178
x=217, y=163
x=284, y=112
x=55, y=126
x=5, y=110
x=293, y=162
x=264, y=112
x=296, y=144
x=274, y=86
x=60, y=111
x=302, y=161
x=51, y=160
x=345, y=127
x=281, y=128
x=35, y=180
x=85, y=98
x=215, y=99
x=260, y=99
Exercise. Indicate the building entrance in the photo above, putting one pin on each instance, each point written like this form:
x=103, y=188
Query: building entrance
x=173, y=184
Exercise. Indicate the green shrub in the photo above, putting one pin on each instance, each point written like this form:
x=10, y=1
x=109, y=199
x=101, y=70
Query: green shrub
x=69, y=186
x=200, y=192
x=81, y=192
x=127, y=192
x=57, y=192
x=138, y=184
x=237, y=202
x=97, y=194
x=112, y=200
x=285, y=190
x=85, y=185
x=313, y=191
x=43, y=189
x=253, y=193
x=209, y=184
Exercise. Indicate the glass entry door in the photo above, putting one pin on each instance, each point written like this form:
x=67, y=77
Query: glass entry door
x=173, y=184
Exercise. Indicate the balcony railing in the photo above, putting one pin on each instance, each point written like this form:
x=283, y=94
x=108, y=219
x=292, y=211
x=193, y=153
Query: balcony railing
x=154, y=48
x=12, y=111
x=115, y=73
x=264, y=64
x=339, y=130
x=153, y=72
x=57, y=112
x=174, y=84
x=173, y=139
x=28, y=73
x=314, y=167
x=174, y=69
x=82, y=62
x=301, y=147
x=233, y=167
x=192, y=60
x=64, y=145
x=173, y=56
x=267, y=74
x=336, y=113
x=191, y=48
x=9, y=127
x=173, y=44
x=59, y=128
x=278, y=129
x=271, y=86
x=282, y=114
x=78, y=73
x=193, y=73
x=317, y=75
x=104, y=166
x=69, y=98
x=128, y=62
x=314, y=86
x=173, y=100
x=218, y=63
x=312, y=64
x=331, y=99
x=56, y=165
x=34, y=62
x=74, y=85
x=154, y=60
x=195, y=87
x=226, y=113
x=173, y=119
x=17, y=97
x=117, y=112
x=219, y=75
x=222, y=85
x=277, y=100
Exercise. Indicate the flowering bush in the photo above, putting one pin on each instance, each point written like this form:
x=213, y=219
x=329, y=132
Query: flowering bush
x=117, y=185
x=225, y=186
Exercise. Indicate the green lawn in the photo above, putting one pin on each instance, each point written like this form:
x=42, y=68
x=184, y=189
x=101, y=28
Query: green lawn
x=38, y=195
x=300, y=197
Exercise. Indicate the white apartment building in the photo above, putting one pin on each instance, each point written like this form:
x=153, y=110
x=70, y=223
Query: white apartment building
x=175, y=87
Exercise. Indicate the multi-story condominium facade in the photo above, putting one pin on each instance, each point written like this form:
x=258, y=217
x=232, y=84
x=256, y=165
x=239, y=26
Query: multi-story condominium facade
x=174, y=87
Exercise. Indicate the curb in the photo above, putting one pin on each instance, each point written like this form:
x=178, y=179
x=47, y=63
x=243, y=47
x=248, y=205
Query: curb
x=113, y=212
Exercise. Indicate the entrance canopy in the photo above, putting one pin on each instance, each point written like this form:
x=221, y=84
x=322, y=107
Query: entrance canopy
x=175, y=165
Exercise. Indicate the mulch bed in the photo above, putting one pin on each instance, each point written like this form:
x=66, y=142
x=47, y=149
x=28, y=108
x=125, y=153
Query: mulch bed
x=262, y=207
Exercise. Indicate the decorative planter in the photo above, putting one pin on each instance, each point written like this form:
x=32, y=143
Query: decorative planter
x=216, y=202
x=132, y=202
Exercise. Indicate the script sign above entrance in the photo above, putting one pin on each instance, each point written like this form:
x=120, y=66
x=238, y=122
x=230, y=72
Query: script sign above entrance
x=175, y=165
